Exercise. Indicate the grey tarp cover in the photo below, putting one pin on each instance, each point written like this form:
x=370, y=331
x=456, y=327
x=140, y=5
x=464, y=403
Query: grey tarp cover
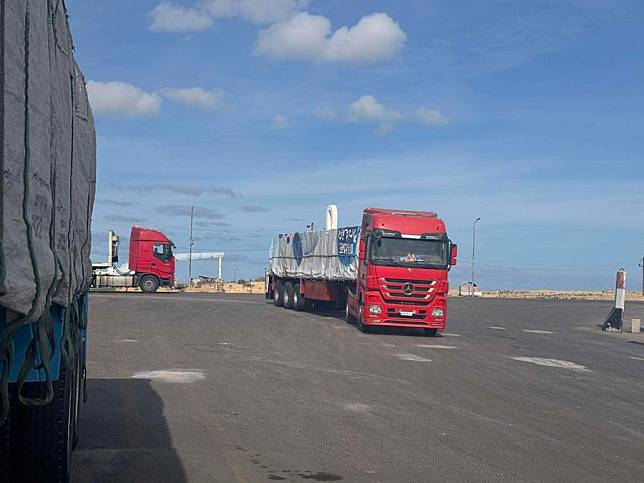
x=322, y=255
x=48, y=161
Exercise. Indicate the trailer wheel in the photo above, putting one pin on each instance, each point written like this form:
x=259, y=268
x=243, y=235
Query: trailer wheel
x=347, y=314
x=278, y=293
x=149, y=284
x=76, y=396
x=299, y=301
x=288, y=295
x=431, y=332
x=9, y=443
x=49, y=434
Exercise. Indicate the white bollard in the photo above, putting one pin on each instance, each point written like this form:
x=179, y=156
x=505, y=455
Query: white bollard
x=635, y=326
x=615, y=317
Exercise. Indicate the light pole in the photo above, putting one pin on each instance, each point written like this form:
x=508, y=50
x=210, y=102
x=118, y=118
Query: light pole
x=641, y=264
x=192, y=214
x=473, y=252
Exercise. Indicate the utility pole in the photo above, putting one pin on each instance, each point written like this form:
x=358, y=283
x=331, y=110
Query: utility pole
x=192, y=214
x=641, y=264
x=235, y=273
x=473, y=252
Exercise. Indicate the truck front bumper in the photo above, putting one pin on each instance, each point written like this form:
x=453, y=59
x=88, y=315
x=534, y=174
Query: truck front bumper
x=168, y=282
x=377, y=311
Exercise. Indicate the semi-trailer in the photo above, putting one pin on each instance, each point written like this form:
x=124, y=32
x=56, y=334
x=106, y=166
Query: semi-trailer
x=46, y=199
x=151, y=263
x=391, y=270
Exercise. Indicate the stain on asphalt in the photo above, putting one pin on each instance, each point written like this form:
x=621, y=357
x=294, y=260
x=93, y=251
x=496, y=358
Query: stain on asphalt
x=276, y=477
x=320, y=476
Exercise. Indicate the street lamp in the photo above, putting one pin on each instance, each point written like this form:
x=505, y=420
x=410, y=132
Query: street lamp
x=473, y=252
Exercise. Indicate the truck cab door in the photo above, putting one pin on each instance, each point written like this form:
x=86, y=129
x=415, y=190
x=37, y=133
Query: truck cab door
x=162, y=259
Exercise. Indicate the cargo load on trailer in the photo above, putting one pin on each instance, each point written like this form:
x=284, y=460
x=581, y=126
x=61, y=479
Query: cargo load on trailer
x=389, y=271
x=48, y=180
x=319, y=255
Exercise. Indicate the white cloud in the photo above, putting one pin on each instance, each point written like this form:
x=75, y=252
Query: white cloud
x=425, y=115
x=325, y=112
x=121, y=99
x=367, y=108
x=280, y=121
x=309, y=37
x=167, y=17
x=196, y=96
x=258, y=11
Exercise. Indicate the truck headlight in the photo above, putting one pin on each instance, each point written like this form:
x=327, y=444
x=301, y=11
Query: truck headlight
x=437, y=313
x=375, y=309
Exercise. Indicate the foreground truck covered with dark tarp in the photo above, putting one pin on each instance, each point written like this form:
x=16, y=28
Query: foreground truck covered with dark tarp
x=48, y=182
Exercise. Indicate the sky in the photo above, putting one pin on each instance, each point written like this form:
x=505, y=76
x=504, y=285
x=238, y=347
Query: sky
x=260, y=113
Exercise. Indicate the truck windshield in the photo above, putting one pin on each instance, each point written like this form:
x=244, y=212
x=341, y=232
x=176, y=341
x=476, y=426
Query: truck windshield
x=409, y=252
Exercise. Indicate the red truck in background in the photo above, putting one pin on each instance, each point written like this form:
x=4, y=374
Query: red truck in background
x=394, y=271
x=151, y=262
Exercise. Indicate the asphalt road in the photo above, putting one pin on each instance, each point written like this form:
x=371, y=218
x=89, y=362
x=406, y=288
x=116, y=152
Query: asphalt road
x=229, y=388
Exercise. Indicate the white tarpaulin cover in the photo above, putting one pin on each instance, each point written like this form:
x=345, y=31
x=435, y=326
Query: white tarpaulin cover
x=323, y=255
x=48, y=160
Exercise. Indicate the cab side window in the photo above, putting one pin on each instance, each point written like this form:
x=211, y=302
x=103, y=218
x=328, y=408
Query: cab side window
x=160, y=251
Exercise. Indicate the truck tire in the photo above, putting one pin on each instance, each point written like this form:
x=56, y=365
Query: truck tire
x=360, y=324
x=278, y=293
x=299, y=301
x=48, y=434
x=431, y=332
x=288, y=295
x=149, y=284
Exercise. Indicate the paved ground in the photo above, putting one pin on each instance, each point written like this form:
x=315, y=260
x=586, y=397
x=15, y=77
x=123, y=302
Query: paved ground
x=228, y=388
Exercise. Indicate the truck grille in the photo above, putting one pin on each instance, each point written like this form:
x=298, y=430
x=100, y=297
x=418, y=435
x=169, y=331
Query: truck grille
x=408, y=292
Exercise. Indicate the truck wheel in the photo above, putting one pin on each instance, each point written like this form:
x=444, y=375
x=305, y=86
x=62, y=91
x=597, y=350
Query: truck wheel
x=149, y=284
x=299, y=301
x=431, y=332
x=49, y=434
x=278, y=293
x=288, y=295
x=360, y=324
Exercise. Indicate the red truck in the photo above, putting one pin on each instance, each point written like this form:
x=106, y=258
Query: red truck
x=390, y=271
x=151, y=263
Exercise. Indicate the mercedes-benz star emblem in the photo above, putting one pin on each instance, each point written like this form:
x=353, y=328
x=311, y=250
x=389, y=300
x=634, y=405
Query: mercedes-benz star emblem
x=408, y=288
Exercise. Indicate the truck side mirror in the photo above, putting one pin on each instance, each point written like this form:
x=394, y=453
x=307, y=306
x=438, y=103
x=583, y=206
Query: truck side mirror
x=453, y=249
x=361, y=250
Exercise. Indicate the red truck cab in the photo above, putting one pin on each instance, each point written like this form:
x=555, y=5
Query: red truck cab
x=151, y=259
x=403, y=261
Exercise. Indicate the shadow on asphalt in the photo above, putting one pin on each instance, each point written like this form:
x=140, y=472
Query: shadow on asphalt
x=331, y=312
x=124, y=435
